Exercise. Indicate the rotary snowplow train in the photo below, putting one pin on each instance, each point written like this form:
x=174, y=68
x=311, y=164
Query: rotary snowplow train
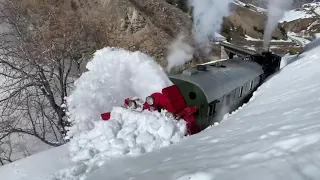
x=202, y=95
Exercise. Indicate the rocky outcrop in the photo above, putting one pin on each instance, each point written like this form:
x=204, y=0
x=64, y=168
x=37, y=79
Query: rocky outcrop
x=245, y=21
x=148, y=26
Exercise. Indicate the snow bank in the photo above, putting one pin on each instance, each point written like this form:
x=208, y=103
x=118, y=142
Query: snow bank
x=126, y=133
x=275, y=136
x=116, y=74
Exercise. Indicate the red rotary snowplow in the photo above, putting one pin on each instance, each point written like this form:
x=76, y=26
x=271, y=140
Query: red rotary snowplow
x=171, y=100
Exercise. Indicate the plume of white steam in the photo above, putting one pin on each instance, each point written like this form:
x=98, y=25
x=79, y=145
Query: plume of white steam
x=179, y=52
x=276, y=10
x=207, y=18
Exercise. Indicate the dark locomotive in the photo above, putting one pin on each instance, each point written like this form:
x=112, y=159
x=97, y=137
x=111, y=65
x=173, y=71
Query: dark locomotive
x=202, y=95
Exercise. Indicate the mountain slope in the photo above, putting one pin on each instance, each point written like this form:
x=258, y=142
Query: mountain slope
x=148, y=26
x=303, y=21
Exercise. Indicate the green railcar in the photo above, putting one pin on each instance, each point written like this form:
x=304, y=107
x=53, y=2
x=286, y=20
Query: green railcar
x=218, y=88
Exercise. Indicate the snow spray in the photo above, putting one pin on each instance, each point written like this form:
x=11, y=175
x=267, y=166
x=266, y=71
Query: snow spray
x=276, y=10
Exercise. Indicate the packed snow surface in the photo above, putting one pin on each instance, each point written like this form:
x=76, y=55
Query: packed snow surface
x=275, y=136
x=38, y=166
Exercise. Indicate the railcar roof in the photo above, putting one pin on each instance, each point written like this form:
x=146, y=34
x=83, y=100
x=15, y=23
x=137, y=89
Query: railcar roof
x=218, y=81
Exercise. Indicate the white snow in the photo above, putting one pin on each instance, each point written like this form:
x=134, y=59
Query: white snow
x=308, y=10
x=113, y=75
x=37, y=166
x=294, y=15
x=317, y=10
x=275, y=136
x=116, y=74
x=127, y=133
x=248, y=38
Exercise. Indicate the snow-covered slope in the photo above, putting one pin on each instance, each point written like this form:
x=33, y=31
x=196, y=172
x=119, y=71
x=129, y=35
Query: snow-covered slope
x=251, y=7
x=309, y=10
x=38, y=166
x=275, y=136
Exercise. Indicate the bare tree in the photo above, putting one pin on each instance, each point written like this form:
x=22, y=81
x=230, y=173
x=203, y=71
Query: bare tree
x=41, y=51
x=5, y=151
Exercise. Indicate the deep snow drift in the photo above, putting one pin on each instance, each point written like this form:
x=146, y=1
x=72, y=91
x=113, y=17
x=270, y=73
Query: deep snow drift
x=275, y=136
x=116, y=74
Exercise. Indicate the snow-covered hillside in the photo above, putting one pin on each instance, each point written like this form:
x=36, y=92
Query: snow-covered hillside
x=275, y=136
x=250, y=6
x=309, y=10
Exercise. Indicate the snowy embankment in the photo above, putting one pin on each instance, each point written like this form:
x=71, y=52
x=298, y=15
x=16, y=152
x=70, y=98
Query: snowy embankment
x=275, y=136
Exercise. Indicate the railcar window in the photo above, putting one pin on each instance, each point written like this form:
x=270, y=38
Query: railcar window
x=240, y=93
x=251, y=84
x=233, y=96
x=192, y=95
x=228, y=99
x=212, y=109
